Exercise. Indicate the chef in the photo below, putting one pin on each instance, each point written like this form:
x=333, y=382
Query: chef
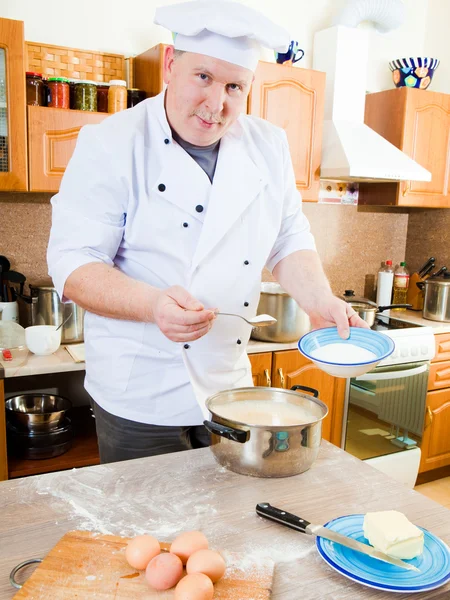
x=166, y=215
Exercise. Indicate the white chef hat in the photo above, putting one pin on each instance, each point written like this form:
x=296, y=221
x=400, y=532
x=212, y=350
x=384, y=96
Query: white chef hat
x=222, y=29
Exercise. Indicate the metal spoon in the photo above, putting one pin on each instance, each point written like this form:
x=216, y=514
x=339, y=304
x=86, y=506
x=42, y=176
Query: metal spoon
x=258, y=321
x=64, y=322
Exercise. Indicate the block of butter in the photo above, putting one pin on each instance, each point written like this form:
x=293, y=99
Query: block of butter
x=390, y=532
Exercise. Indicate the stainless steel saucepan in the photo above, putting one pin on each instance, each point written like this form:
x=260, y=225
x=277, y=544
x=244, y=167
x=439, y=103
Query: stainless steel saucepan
x=368, y=310
x=266, y=450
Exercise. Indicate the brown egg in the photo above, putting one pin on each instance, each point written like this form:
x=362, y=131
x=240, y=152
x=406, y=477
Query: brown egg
x=208, y=562
x=141, y=550
x=194, y=587
x=164, y=571
x=187, y=543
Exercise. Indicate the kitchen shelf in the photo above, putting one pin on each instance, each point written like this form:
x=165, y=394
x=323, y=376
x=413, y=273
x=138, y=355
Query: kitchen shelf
x=83, y=453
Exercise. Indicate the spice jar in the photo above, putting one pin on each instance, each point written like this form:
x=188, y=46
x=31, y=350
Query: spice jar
x=58, y=92
x=102, y=97
x=72, y=83
x=85, y=96
x=134, y=96
x=117, y=95
x=35, y=89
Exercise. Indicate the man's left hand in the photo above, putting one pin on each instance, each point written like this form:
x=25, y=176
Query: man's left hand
x=333, y=312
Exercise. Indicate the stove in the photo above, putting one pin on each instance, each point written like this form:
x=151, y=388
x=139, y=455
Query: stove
x=413, y=342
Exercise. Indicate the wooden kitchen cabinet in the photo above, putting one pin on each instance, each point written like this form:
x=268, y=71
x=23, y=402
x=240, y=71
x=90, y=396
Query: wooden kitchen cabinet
x=436, y=437
x=290, y=368
x=293, y=99
x=417, y=122
x=13, y=125
x=52, y=136
x=261, y=368
x=435, y=445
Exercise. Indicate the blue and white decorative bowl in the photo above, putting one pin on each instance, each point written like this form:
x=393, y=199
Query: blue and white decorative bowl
x=378, y=343
x=413, y=72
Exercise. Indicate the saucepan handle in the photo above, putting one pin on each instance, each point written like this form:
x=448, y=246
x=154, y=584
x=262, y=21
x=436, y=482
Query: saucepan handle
x=305, y=388
x=382, y=308
x=264, y=509
x=12, y=575
x=230, y=433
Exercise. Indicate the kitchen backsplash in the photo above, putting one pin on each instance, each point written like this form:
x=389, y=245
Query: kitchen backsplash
x=428, y=235
x=352, y=241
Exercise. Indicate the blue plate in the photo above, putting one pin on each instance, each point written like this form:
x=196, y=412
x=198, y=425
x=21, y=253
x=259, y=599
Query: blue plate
x=434, y=563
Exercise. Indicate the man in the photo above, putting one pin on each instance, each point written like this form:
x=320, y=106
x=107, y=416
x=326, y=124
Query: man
x=167, y=214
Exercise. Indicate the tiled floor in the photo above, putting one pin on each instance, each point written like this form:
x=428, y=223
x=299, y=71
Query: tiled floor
x=438, y=490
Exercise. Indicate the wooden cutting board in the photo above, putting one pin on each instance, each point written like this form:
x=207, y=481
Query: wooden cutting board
x=85, y=565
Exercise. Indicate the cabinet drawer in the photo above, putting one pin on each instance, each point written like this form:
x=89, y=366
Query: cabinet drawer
x=439, y=376
x=442, y=347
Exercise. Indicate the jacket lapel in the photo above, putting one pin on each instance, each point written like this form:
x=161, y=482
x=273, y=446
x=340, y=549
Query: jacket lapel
x=237, y=182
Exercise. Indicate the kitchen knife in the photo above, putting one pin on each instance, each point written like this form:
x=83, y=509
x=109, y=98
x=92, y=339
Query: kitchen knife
x=427, y=270
x=426, y=265
x=438, y=272
x=267, y=511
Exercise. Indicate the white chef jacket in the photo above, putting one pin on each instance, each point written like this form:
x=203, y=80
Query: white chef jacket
x=131, y=197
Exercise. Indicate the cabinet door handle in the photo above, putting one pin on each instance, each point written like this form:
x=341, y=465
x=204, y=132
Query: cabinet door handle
x=282, y=380
x=268, y=380
x=430, y=416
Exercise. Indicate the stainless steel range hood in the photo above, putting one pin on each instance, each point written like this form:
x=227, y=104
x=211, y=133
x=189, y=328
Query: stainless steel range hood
x=351, y=151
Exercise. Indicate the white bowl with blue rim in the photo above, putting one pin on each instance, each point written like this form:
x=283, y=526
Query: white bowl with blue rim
x=346, y=362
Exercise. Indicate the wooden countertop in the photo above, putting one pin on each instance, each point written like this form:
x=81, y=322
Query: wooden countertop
x=169, y=494
x=61, y=361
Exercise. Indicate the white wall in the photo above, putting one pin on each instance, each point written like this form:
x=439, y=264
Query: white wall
x=437, y=43
x=126, y=27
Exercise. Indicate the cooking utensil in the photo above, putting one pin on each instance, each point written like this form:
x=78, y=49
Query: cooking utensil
x=272, y=513
x=258, y=321
x=292, y=321
x=86, y=565
x=266, y=451
x=436, y=306
x=37, y=412
x=439, y=272
x=368, y=310
x=64, y=322
x=426, y=272
x=426, y=265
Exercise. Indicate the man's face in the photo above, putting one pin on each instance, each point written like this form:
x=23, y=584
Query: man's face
x=204, y=95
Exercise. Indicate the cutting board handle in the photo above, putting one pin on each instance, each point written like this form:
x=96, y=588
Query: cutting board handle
x=12, y=575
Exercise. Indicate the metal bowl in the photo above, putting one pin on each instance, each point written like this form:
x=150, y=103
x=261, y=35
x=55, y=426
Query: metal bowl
x=37, y=412
x=260, y=450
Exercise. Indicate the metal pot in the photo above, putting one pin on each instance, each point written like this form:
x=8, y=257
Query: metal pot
x=266, y=451
x=292, y=321
x=436, y=304
x=368, y=310
x=47, y=309
x=37, y=412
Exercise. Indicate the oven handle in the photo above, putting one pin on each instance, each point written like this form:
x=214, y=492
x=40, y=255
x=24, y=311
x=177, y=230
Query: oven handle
x=393, y=375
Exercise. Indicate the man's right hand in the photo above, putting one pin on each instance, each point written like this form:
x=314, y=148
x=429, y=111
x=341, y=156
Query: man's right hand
x=180, y=316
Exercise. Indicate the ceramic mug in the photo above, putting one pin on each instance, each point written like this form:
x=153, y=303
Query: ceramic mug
x=43, y=339
x=293, y=55
x=9, y=311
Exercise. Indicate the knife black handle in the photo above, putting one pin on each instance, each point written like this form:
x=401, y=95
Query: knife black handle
x=264, y=509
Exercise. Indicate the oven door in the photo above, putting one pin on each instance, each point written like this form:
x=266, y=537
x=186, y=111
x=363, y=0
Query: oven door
x=385, y=410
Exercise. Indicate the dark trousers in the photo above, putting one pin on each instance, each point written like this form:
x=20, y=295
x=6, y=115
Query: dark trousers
x=121, y=439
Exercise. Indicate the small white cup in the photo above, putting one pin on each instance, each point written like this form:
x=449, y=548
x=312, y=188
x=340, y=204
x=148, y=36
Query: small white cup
x=43, y=339
x=9, y=311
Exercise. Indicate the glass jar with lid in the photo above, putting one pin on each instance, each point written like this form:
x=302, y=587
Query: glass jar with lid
x=35, y=89
x=58, y=92
x=117, y=95
x=85, y=95
x=102, y=97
